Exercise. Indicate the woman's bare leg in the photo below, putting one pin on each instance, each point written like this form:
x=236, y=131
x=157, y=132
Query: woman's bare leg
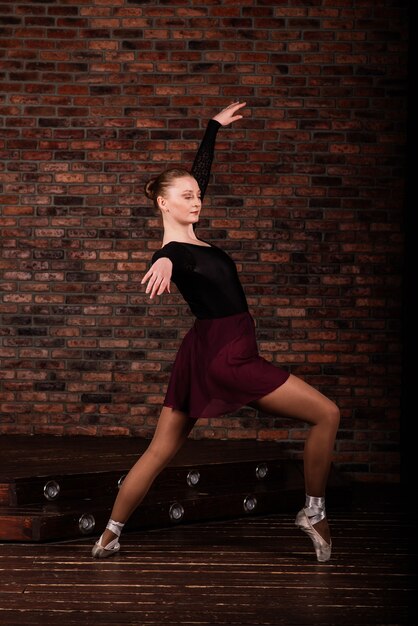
x=297, y=399
x=172, y=430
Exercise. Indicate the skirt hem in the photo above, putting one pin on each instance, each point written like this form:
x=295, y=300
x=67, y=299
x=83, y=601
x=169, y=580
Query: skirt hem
x=231, y=409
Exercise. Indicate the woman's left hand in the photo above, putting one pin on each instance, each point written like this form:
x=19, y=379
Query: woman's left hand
x=228, y=115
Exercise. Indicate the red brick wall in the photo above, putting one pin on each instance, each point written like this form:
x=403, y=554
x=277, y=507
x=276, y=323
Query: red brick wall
x=307, y=196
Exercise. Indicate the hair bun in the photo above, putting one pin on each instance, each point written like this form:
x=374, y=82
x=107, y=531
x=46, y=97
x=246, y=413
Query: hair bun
x=149, y=189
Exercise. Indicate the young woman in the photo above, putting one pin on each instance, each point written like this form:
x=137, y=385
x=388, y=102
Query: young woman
x=217, y=368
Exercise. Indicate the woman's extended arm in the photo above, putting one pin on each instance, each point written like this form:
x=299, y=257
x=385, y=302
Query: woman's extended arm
x=203, y=160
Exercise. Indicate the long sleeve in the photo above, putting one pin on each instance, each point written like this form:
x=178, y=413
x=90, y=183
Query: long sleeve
x=203, y=160
x=178, y=254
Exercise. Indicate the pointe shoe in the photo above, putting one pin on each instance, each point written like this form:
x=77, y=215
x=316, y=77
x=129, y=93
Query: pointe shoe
x=322, y=548
x=101, y=552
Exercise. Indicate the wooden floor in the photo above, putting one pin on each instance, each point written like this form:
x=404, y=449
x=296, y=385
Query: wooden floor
x=251, y=571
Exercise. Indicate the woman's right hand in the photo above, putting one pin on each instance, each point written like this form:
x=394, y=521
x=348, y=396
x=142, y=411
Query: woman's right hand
x=228, y=114
x=158, y=277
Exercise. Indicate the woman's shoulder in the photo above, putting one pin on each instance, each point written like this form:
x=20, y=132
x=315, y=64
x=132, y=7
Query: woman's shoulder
x=174, y=250
x=168, y=243
x=159, y=251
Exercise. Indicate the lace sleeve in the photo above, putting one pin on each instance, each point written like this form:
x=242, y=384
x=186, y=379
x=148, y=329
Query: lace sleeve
x=203, y=160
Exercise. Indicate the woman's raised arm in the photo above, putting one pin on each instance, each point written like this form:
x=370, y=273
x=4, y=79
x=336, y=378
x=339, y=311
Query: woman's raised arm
x=203, y=161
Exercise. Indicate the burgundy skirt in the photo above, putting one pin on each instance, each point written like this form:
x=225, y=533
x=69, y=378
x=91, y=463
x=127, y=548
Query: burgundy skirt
x=217, y=368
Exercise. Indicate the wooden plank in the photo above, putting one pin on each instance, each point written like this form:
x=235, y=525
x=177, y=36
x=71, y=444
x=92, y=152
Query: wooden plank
x=44, y=455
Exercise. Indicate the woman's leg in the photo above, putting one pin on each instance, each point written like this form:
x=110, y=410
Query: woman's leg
x=172, y=430
x=297, y=399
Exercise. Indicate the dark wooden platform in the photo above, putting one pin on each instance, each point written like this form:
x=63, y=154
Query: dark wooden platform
x=60, y=488
x=218, y=564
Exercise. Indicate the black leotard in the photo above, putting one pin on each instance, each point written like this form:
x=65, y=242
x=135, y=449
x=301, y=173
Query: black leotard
x=206, y=276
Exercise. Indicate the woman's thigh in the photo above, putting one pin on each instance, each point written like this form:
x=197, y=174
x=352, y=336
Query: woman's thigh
x=299, y=400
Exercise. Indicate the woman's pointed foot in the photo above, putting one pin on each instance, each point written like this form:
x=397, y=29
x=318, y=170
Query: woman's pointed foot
x=322, y=547
x=100, y=551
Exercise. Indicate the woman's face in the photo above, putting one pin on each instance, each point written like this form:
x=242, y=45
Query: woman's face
x=182, y=201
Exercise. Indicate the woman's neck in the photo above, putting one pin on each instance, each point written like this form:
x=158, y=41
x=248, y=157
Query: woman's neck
x=181, y=234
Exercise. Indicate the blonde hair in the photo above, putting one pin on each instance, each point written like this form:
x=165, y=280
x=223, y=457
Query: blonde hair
x=158, y=186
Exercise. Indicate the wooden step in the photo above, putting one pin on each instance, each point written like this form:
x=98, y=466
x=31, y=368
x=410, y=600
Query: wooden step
x=51, y=522
x=214, y=496
x=66, y=489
